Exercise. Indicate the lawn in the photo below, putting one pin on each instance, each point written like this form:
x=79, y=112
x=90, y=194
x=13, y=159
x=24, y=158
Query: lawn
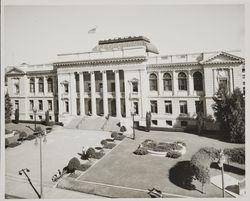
x=23, y=127
x=122, y=168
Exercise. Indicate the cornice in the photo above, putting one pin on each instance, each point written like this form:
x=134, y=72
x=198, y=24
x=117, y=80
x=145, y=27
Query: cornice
x=101, y=61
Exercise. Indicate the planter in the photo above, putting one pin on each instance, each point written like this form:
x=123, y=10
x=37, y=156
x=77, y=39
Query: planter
x=157, y=153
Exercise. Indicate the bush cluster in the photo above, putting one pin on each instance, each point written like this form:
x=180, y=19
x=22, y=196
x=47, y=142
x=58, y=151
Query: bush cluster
x=23, y=135
x=31, y=137
x=73, y=165
x=141, y=151
x=104, y=142
x=120, y=137
x=162, y=146
x=173, y=154
x=235, y=155
x=114, y=134
x=90, y=153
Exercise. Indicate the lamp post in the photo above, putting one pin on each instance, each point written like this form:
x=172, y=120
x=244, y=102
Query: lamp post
x=35, y=111
x=41, y=135
x=133, y=119
x=220, y=163
x=27, y=170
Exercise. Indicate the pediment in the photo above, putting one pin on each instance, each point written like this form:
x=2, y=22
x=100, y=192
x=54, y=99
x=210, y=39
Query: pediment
x=15, y=71
x=223, y=57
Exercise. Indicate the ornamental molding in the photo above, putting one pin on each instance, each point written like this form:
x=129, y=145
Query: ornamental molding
x=230, y=58
x=96, y=62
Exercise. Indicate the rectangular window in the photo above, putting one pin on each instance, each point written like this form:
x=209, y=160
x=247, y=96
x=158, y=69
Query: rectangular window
x=223, y=83
x=183, y=107
x=31, y=116
x=16, y=86
x=136, y=110
x=40, y=117
x=89, y=87
x=135, y=86
x=66, y=106
x=16, y=104
x=50, y=117
x=100, y=87
x=168, y=107
x=50, y=104
x=31, y=104
x=112, y=87
x=199, y=106
x=155, y=122
x=32, y=88
x=169, y=123
x=66, y=88
x=154, y=108
x=40, y=104
x=40, y=87
x=167, y=85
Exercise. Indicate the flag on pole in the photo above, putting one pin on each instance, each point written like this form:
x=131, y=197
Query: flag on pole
x=92, y=31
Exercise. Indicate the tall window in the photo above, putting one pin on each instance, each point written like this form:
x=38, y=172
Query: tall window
x=16, y=86
x=50, y=85
x=50, y=104
x=153, y=82
x=112, y=87
x=154, y=108
x=32, y=85
x=40, y=85
x=167, y=82
x=31, y=104
x=66, y=106
x=198, y=84
x=136, y=108
x=40, y=104
x=16, y=104
x=182, y=81
x=183, y=107
x=66, y=88
x=199, y=106
x=168, y=107
x=135, y=86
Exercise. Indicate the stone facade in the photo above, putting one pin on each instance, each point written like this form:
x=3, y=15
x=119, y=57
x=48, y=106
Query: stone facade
x=121, y=77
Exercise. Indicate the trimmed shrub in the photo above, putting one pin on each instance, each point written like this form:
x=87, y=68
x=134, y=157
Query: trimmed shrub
x=123, y=129
x=149, y=145
x=114, y=134
x=73, y=165
x=104, y=142
x=17, y=116
x=110, y=140
x=38, y=129
x=31, y=137
x=14, y=144
x=99, y=155
x=119, y=137
x=141, y=151
x=84, y=167
x=90, y=153
x=211, y=152
x=23, y=135
x=109, y=146
x=236, y=155
x=173, y=154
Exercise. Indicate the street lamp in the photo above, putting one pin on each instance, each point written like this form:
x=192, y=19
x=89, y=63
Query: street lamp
x=27, y=170
x=35, y=111
x=220, y=163
x=41, y=135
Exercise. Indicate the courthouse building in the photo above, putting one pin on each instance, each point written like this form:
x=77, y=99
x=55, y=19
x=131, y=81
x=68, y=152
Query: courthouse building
x=121, y=77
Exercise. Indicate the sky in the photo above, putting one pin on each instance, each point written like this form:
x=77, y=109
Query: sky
x=36, y=34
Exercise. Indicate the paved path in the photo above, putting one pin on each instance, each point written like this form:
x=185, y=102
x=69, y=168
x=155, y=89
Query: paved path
x=62, y=145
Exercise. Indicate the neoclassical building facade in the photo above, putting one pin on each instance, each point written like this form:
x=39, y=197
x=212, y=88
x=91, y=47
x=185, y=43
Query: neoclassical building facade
x=121, y=77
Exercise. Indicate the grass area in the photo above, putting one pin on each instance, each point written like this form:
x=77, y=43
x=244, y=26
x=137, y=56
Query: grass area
x=123, y=168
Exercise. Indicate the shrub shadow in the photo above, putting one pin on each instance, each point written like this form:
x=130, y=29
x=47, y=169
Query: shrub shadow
x=182, y=175
x=228, y=168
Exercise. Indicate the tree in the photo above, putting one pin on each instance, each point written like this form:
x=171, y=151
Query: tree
x=47, y=118
x=229, y=110
x=148, y=121
x=8, y=108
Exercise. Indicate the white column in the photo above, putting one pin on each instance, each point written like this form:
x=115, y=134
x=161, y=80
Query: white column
x=127, y=90
x=117, y=94
x=175, y=83
x=105, y=93
x=160, y=83
x=60, y=101
x=93, y=98
x=190, y=84
x=36, y=86
x=72, y=94
x=81, y=88
x=45, y=84
x=231, y=80
x=215, y=81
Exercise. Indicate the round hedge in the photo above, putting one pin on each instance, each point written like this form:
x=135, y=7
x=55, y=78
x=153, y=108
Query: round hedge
x=141, y=151
x=73, y=164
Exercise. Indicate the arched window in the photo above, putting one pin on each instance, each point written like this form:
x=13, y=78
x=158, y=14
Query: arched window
x=198, y=84
x=182, y=81
x=167, y=82
x=50, y=85
x=153, y=82
x=40, y=85
x=32, y=85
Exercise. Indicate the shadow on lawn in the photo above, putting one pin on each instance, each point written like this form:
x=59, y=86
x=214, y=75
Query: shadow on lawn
x=181, y=175
x=228, y=168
